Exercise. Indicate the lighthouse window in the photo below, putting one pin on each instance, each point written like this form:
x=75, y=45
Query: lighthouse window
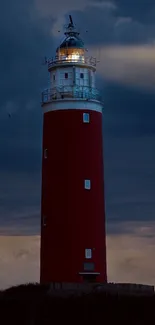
x=54, y=77
x=44, y=221
x=89, y=266
x=66, y=75
x=82, y=75
x=45, y=153
x=87, y=184
x=86, y=117
x=88, y=253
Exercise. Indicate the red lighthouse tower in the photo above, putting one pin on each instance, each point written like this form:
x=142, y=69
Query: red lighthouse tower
x=73, y=243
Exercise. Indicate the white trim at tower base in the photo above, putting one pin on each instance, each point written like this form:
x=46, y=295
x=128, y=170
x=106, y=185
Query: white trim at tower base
x=82, y=104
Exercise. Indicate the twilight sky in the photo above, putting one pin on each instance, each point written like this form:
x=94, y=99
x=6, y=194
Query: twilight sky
x=121, y=34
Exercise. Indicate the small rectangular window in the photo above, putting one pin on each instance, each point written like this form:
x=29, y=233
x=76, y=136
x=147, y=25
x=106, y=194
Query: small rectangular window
x=87, y=184
x=82, y=75
x=86, y=117
x=45, y=153
x=66, y=75
x=44, y=221
x=54, y=77
x=89, y=266
x=88, y=253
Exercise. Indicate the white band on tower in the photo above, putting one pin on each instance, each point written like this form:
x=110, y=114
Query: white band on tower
x=73, y=104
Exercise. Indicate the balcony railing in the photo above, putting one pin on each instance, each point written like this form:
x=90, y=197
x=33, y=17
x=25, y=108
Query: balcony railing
x=70, y=92
x=72, y=59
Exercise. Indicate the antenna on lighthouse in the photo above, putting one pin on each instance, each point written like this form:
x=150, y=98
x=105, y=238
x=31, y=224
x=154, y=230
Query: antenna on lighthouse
x=71, y=21
x=71, y=28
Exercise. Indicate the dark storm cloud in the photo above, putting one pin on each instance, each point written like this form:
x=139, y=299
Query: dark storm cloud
x=20, y=141
x=129, y=178
x=25, y=39
x=110, y=22
x=20, y=202
x=128, y=112
x=142, y=11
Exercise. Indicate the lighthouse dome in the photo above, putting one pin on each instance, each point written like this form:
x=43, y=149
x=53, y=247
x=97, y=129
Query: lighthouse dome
x=71, y=49
x=72, y=42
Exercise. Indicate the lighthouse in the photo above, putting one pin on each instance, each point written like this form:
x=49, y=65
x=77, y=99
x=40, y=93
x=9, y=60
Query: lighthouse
x=73, y=239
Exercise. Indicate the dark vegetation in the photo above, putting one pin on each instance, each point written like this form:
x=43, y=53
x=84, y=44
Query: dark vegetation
x=32, y=304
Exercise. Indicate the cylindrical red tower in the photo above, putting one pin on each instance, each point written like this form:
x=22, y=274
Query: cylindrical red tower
x=73, y=243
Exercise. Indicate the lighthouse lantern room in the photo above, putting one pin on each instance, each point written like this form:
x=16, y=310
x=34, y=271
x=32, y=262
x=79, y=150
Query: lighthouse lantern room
x=73, y=244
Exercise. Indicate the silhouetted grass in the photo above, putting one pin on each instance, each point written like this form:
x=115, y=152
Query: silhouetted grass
x=30, y=304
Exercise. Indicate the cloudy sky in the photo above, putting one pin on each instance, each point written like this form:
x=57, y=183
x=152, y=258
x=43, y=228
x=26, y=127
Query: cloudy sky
x=121, y=34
